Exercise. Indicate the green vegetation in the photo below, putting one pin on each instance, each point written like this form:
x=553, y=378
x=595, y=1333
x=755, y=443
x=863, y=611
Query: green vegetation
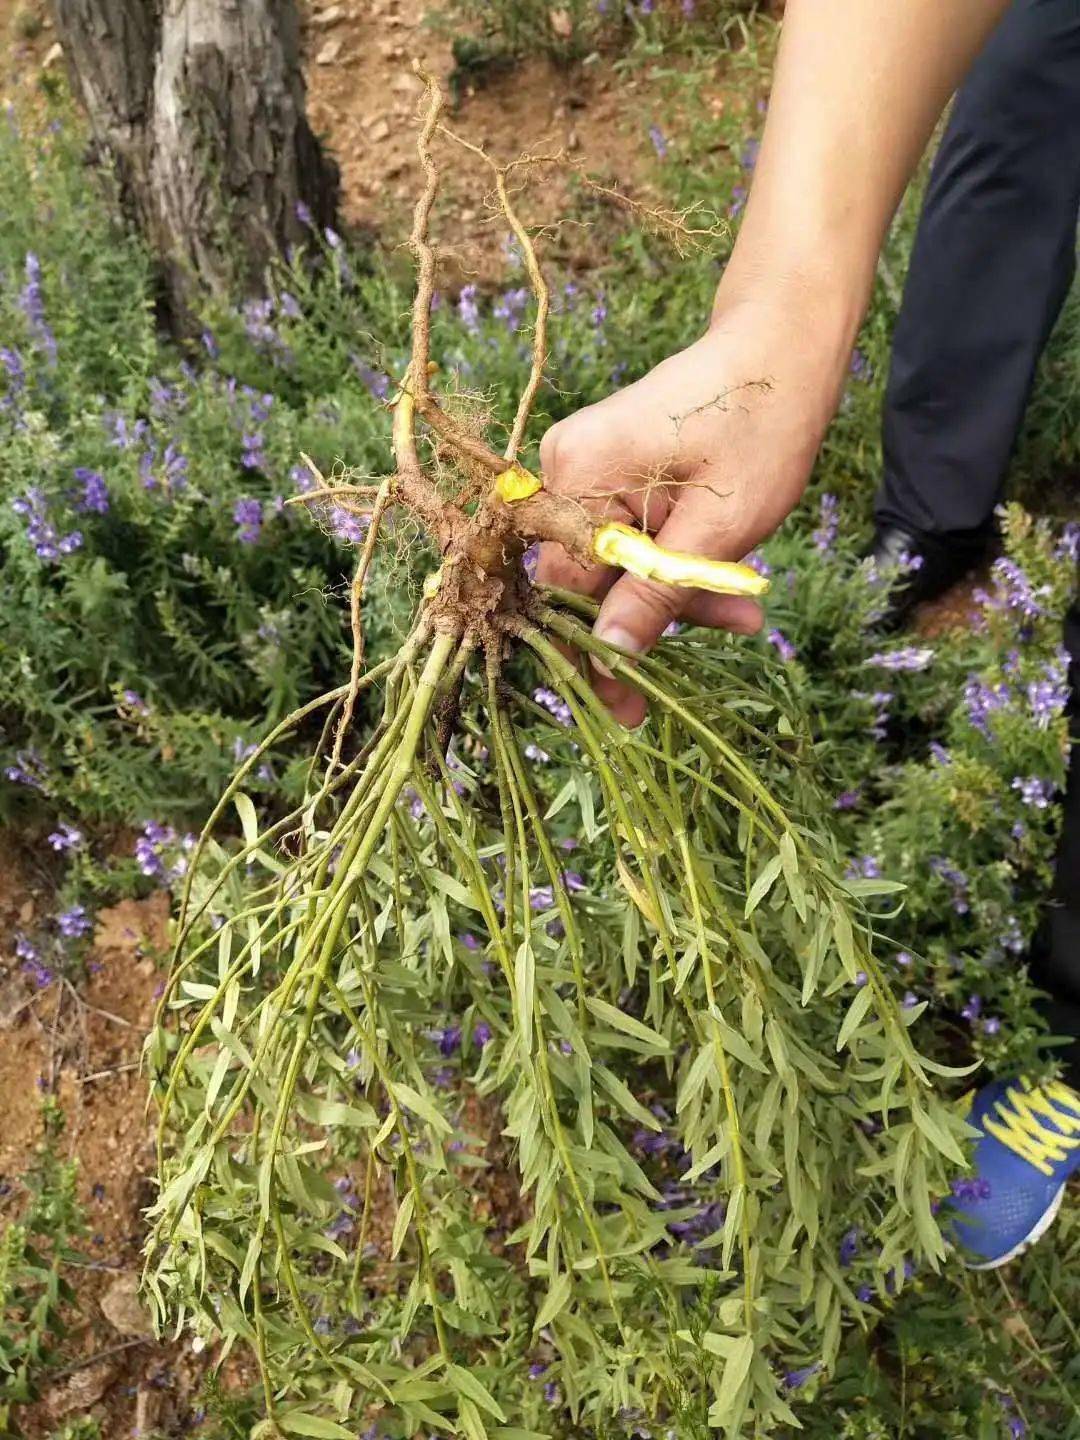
x=139, y=662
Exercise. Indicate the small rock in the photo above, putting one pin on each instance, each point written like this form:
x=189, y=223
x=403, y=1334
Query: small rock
x=83, y=1389
x=329, y=53
x=123, y=1309
x=54, y=54
x=561, y=23
x=379, y=131
x=330, y=16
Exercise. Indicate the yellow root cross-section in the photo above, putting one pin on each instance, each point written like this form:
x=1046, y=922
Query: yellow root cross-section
x=635, y=552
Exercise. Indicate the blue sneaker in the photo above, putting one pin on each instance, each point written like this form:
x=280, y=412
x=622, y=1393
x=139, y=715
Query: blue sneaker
x=1029, y=1146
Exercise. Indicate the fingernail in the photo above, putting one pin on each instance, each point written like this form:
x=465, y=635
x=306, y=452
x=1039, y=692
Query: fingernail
x=612, y=635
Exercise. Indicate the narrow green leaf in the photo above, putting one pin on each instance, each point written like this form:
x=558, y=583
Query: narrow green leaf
x=619, y=1020
x=401, y=1223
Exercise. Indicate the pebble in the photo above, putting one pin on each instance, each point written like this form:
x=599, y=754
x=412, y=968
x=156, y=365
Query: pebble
x=329, y=53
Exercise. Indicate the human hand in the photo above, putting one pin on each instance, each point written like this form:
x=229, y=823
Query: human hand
x=708, y=453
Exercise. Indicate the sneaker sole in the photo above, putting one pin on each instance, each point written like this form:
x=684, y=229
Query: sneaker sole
x=1046, y=1219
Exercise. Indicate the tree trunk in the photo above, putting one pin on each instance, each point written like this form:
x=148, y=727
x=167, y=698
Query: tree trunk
x=199, y=105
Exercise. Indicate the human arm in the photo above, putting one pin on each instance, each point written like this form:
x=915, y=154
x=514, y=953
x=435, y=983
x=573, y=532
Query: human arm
x=712, y=449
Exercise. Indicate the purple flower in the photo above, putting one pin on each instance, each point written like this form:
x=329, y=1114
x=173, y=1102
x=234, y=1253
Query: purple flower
x=134, y=701
x=29, y=769
x=534, y=752
x=1068, y=546
x=794, y=1379
x=1049, y=696
x=903, y=959
x=541, y=897
x=529, y=561
x=984, y=700
x=347, y=527
x=910, y=1000
x=74, y=923
x=938, y=754
x=973, y=1008
x=864, y=1294
x=248, y=518
x=448, y=1040
x=554, y=704
x=468, y=310
x=956, y=879
x=880, y=700
x=861, y=368
x=1017, y=1427
x=149, y=846
x=66, y=837
x=33, y=307
x=757, y=562
x=552, y=1393
x=991, y=1025
x=824, y=537
x=972, y=1190
x=909, y=657
x=1035, y=792
x=376, y=382
x=95, y=493
x=660, y=144
x=510, y=306
x=536, y=1369
x=784, y=647
x=481, y=1033
x=1013, y=590
x=738, y=201
x=847, y=800
x=303, y=214
x=849, y=1247
x=253, y=456
x=863, y=867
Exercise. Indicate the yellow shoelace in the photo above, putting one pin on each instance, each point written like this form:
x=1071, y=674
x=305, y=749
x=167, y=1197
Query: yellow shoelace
x=1024, y=1111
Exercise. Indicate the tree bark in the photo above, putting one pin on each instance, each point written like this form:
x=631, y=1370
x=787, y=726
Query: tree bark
x=199, y=105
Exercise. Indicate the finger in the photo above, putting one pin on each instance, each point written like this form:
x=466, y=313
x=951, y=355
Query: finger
x=635, y=613
x=555, y=569
x=737, y=613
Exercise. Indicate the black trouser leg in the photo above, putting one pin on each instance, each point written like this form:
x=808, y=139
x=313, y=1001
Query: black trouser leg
x=993, y=259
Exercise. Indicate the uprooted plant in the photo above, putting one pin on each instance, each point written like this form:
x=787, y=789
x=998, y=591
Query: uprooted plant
x=724, y=1140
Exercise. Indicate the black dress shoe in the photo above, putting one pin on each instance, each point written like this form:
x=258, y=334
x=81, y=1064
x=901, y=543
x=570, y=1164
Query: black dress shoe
x=926, y=565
